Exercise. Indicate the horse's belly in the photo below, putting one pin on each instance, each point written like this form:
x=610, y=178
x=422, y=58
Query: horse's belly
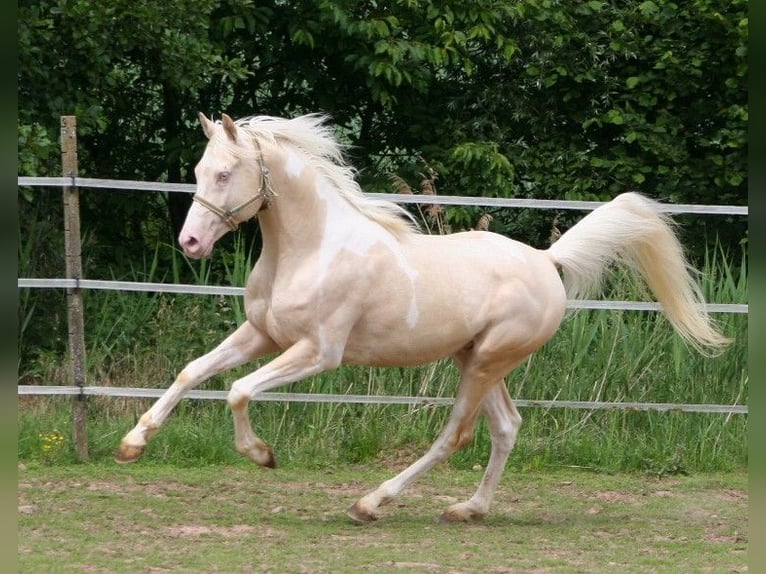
x=402, y=347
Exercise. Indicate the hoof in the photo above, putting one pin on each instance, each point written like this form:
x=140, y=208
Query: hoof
x=271, y=462
x=360, y=515
x=460, y=515
x=262, y=455
x=128, y=453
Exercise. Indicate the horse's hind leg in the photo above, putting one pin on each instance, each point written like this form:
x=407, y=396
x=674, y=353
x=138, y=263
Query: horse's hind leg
x=481, y=387
x=504, y=423
x=457, y=433
x=243, y=345
x=478, y=378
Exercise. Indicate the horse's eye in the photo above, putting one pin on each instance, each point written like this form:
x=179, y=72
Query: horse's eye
x=224, y=176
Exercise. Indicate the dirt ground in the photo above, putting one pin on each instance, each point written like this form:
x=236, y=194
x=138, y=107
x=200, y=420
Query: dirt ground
x=240, y=519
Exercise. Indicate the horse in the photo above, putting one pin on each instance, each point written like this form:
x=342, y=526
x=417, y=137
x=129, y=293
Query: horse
x=343, y=278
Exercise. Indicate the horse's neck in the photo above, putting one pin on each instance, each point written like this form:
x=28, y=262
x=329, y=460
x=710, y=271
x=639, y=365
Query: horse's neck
x=286, y=230
x=298, y=231
x=295, y=222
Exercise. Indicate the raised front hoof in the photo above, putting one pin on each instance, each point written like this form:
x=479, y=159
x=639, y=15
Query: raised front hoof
x=459, y=513
x=128, y=453
x=361, y=515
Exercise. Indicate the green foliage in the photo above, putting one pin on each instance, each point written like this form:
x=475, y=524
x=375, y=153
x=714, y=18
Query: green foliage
x=582, y=100
x=36, y=152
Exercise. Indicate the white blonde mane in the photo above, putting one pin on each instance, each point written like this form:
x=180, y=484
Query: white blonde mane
x=311, y=134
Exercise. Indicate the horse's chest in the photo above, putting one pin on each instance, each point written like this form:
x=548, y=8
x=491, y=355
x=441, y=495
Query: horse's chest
x=274, y=307
x=282, y=327
x=285, y=322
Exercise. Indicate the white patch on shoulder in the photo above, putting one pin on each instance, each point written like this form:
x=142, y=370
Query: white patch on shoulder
x=294, y=165
x=336, y=238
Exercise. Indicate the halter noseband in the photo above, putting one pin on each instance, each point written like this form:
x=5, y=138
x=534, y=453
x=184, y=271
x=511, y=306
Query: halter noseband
x=265, y=192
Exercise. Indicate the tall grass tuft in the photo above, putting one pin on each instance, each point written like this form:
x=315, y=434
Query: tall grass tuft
x=145, y=339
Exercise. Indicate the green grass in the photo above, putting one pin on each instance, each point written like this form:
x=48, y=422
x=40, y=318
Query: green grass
x=158, y=518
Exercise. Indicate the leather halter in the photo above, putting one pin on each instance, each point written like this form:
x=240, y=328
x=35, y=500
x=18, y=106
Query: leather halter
x=265, y=192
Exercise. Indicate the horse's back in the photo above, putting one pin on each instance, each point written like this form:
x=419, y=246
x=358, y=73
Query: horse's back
x=485, y=260
x=489, y=270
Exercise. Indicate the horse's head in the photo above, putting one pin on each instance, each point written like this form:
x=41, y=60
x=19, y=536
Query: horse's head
x=232, y=186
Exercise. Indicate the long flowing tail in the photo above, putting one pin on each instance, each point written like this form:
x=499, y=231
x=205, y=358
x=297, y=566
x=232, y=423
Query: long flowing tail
x=631, y=230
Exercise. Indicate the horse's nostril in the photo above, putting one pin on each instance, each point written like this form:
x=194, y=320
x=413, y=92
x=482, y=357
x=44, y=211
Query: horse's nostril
x=188, y=242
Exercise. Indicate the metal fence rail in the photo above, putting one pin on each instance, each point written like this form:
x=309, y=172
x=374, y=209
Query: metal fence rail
x=138, y=392
x=31, y=283
x=394, y=197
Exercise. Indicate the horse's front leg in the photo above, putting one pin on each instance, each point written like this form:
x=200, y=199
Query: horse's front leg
x=243, y=345
x=302, y=360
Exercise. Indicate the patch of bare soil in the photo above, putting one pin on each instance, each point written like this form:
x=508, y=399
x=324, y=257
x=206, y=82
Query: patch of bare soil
x=236, y=531
x=406, y=566
x=399, y=458
x=615, y=497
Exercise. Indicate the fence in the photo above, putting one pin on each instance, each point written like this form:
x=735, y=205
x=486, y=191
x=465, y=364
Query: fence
x=74, y=284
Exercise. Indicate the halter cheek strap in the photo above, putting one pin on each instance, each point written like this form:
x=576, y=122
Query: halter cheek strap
x=265, y=192
x=227, y=215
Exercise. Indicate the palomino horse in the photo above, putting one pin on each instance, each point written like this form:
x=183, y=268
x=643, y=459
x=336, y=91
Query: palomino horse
x=343, y=279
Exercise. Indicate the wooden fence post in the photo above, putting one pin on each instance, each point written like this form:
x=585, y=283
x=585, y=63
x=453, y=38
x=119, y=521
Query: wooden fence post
x=75, y=317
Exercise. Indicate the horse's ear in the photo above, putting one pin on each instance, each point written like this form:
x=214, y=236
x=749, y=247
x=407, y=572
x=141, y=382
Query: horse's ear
x=229, y=127
x=207, y=125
